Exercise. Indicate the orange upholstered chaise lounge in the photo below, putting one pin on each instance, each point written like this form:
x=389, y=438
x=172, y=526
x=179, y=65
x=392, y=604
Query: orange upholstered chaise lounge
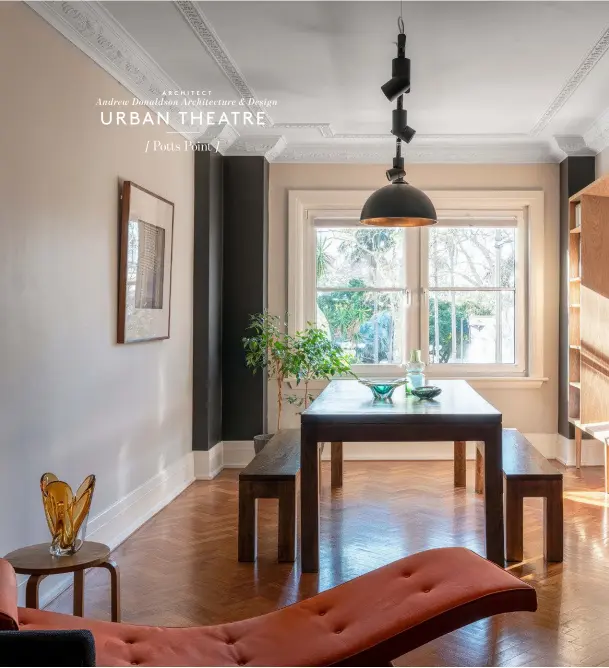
x=368, y=621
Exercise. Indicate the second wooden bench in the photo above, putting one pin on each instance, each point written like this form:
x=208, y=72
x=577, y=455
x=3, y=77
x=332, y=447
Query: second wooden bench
x=526, y=473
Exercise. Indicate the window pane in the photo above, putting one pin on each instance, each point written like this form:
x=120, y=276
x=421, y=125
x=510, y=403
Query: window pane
x=367, y=324
x=472, y=257
x=474, y=327
x=352, y=257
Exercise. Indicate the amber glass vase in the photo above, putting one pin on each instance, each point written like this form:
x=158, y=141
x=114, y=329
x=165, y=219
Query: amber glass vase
x=66, y=512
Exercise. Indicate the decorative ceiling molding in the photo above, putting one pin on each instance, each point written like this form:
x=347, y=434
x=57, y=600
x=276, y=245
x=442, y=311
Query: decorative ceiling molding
x=597, y=137
x=573, y=145
x=95, y=32
x=91, y=27
x=216, y=49
x=576, y=79
x=269, y=147
x=221, y=137
x=432, y=153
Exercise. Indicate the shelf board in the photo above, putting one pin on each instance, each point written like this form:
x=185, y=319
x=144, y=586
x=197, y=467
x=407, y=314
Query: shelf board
x=577, y=385
x=577, y=279
x=574, y=305
x=575, y=347
x=576, y=422
x=576, y=230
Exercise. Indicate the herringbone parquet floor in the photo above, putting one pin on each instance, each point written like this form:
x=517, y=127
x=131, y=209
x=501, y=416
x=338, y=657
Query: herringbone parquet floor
x=181, y=567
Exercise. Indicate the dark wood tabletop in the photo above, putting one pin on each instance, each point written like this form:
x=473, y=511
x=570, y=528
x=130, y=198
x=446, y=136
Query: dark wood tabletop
x=350, y=401
x=37, y=560
x=346, y=411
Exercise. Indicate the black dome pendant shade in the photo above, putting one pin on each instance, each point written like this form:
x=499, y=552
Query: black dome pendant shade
x=399, y=204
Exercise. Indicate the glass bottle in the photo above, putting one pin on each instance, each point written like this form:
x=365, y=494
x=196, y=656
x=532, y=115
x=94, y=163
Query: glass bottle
x=415, y=368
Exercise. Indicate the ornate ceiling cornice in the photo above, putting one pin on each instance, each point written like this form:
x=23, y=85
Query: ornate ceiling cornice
x=432, y=153
x=94, y=31
x=203, y=29
x=597, y=137
x=574, y=81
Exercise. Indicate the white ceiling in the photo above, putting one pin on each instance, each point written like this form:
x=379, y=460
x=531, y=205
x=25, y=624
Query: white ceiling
x=491, y=81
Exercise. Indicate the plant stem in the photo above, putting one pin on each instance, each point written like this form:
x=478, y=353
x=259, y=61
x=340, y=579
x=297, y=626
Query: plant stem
x=279, y=401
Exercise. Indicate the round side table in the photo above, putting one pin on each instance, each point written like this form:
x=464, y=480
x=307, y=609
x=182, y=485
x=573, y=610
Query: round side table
x=37, y=562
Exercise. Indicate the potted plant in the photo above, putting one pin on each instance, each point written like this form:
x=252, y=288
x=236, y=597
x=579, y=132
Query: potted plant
x=315, y=357
x=269, y=348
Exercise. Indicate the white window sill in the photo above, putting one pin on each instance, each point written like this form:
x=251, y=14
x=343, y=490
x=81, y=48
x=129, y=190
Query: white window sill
x=479, y=383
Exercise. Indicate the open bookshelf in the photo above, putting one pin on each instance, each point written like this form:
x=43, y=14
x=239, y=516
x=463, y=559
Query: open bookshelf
x=589, y=311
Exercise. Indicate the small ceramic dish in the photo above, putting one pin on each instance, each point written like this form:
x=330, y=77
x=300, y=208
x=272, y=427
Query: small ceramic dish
x=382, y=388
x=426, y=391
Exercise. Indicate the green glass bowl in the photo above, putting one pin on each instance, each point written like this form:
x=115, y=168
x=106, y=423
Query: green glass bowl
x=382, y=388
x=426, y=391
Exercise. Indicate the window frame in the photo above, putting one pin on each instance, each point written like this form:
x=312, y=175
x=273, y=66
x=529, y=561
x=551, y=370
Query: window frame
x=306, y=206
x=479, y=218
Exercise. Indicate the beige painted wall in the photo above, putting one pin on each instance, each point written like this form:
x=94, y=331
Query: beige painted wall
x=528, y=410
x=72, y=401
x=602, y=163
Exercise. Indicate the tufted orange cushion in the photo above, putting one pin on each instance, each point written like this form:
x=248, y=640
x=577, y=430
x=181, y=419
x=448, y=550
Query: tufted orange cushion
x=8, y=598
x=367, y=621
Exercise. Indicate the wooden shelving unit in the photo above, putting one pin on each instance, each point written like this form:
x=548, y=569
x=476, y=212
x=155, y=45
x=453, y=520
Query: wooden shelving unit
x=589, y=311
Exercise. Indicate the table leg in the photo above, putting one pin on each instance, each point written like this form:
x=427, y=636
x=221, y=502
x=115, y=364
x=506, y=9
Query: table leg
x=79, y=593
x=459, y=463
x=493, y=496
x=31, y=591
x=309, y=500
x=337, y=463
x=479, y=484
x=115, y=590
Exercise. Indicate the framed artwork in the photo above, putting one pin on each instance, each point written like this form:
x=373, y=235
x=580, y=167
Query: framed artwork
x=145, y=257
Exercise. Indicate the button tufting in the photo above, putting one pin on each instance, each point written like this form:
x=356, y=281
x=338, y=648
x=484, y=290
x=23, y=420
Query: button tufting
x=339, y=631
x=426, y=591
x=230, y=642
x=322, y=613
x=406, y=575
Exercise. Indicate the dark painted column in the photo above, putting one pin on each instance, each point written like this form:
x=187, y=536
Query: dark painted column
x=207, y=302
x=576, y=172
x=244, y=292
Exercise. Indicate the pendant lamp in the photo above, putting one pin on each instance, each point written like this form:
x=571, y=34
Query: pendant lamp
x=399, y=204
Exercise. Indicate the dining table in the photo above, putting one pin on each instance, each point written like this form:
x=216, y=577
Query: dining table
x=346, y=411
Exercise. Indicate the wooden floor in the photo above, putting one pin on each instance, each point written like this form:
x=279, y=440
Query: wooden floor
x=181, y=567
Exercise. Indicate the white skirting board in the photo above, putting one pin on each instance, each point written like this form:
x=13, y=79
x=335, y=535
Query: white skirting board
x=113, y=525
x=592, y=451
x=237, y=454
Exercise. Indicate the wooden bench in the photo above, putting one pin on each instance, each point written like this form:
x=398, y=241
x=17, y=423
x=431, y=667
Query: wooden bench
x=272, y=474
x=526, y=473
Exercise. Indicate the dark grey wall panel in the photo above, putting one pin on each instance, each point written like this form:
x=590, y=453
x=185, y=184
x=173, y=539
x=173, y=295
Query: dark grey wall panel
x=576, y=172
x=244, y=292
x=207, y=301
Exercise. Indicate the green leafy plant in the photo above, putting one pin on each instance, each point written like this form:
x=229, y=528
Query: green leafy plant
x=315, y=357
x=270, y=348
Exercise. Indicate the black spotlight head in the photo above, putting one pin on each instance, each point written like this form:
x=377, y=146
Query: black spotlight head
x=400, y=127
x=400, y=79
x=395, y=174
x=406, y=134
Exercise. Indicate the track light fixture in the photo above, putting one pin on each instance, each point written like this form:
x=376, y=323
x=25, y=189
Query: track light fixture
x=399, y=204
x=400, y=73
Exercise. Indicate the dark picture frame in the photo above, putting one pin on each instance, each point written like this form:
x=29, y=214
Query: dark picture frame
x=145, y=265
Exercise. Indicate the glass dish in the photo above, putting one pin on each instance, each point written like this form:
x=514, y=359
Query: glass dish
x=382, y=388
x=426, y=392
